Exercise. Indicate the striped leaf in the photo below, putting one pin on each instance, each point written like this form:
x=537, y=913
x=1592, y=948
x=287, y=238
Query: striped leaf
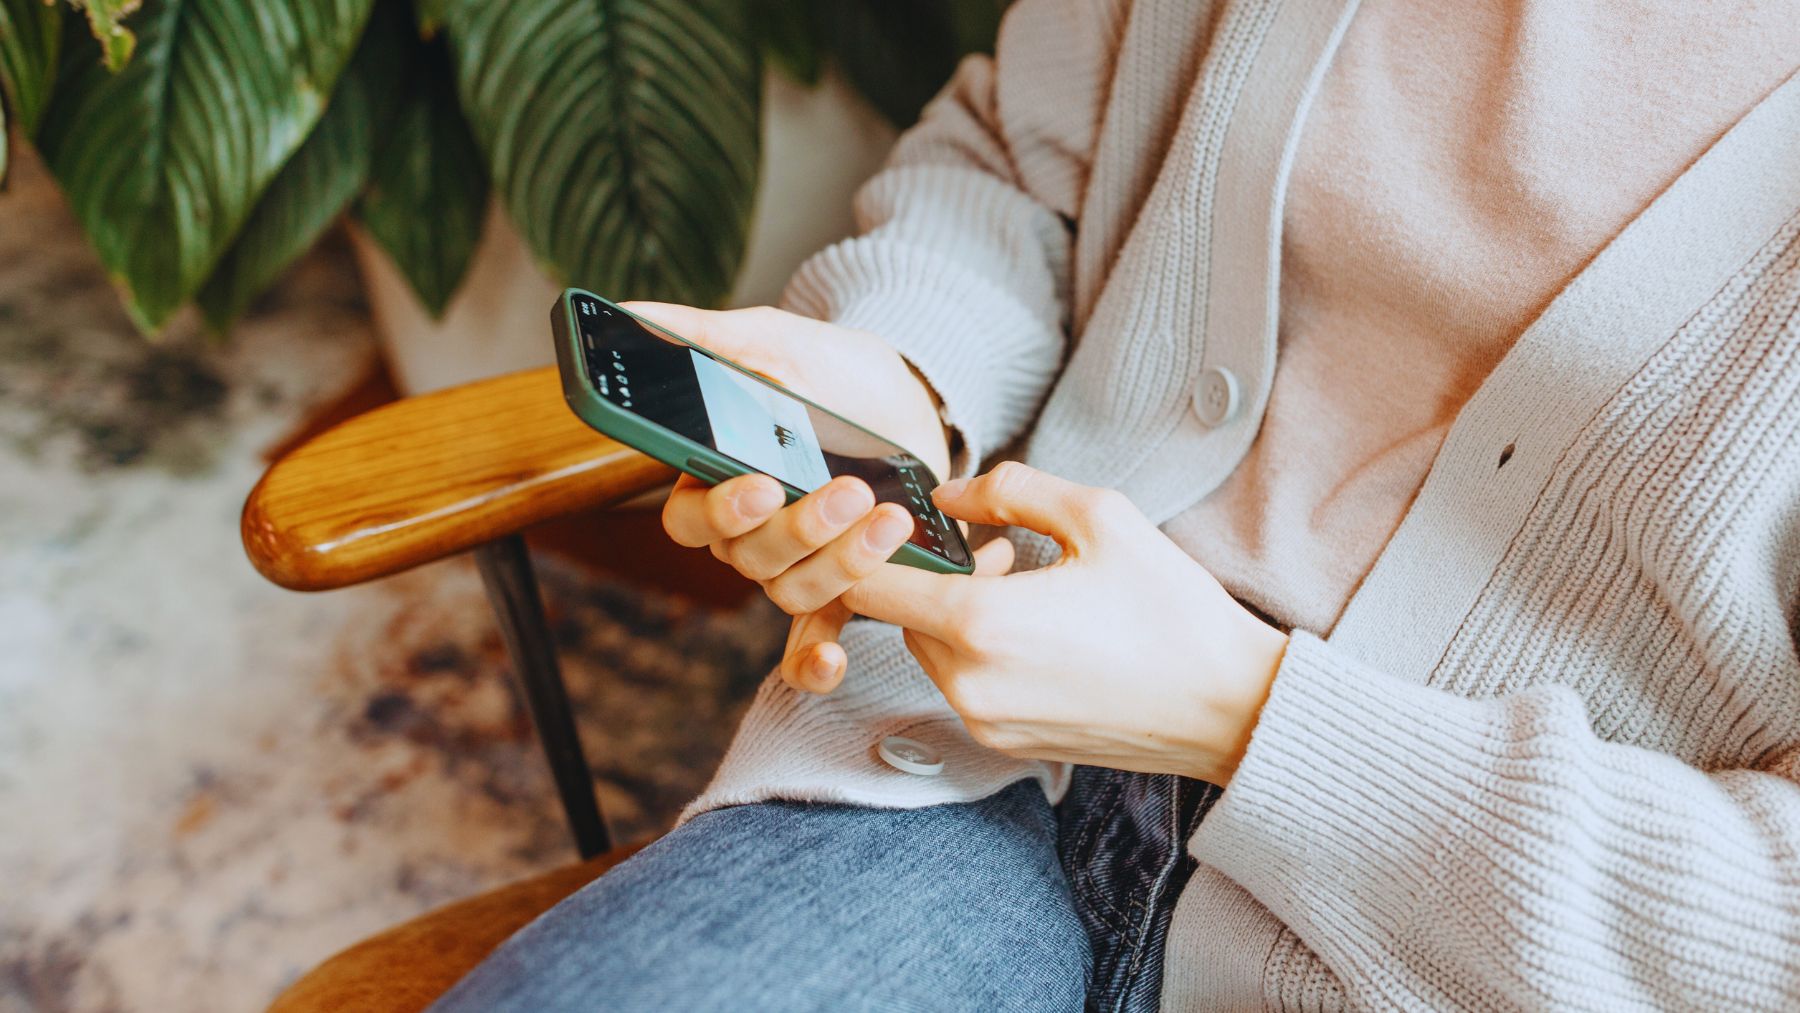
x=106, y=18
x=164, y=161
x=321, y=179
x=30, y=43
x=431, y=16
x=793, y=37
x=428, y=186
x=621, y=134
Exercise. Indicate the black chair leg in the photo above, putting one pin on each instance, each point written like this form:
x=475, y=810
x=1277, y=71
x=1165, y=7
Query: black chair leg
x=511, y=585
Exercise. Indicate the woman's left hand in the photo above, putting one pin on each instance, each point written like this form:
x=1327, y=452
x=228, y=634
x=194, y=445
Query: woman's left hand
x=1125, y=653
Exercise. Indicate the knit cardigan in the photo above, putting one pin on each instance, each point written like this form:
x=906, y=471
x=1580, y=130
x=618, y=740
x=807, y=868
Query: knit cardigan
x=1549, y=755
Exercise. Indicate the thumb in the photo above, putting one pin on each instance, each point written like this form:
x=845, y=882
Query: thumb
x=994, y=559
x=735, y=334
x=1016, y=494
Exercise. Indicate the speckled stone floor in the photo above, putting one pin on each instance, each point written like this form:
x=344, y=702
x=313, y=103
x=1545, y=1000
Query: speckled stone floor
x=208, y=784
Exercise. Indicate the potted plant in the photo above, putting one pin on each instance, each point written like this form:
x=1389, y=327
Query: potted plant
x=203, y=145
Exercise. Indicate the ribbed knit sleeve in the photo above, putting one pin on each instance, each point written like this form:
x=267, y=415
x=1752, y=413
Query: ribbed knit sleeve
x=963, y=258
x=1444, y=852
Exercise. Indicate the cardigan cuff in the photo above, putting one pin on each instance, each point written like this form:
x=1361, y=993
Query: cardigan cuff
x=1354, y=786
x=822, y=748
x=979, y=349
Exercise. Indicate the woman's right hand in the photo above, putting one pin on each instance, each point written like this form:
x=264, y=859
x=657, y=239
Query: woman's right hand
x=808, y=553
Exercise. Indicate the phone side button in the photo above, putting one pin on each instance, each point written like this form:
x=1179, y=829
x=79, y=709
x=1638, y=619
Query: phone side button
x=705, y=471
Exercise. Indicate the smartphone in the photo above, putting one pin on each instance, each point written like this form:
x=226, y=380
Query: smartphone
x=691, y=409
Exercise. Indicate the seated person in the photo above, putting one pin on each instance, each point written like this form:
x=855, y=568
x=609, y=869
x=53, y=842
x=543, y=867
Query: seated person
x=1396, y=605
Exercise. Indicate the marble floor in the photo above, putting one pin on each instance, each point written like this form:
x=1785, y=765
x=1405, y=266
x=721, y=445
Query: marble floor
x=207, y=784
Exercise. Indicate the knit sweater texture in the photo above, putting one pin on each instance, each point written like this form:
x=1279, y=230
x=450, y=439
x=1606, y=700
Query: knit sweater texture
x=1461, y=163
x=1549, y=756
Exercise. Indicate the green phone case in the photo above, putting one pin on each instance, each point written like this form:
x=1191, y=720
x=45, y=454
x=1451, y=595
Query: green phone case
x=672, y=448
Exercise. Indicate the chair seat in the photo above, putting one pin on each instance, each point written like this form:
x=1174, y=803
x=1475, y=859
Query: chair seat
x=406, y=968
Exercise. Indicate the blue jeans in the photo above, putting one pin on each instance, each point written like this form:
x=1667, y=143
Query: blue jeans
x=1000, y=904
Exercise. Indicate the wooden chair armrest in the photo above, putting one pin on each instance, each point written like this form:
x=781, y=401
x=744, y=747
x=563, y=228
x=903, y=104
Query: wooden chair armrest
x=412, y=965
x=429, y=476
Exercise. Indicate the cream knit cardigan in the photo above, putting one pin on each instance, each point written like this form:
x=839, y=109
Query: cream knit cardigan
x=1548, y=757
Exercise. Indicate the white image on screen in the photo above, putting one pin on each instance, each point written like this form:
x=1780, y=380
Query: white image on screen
x=759, y=426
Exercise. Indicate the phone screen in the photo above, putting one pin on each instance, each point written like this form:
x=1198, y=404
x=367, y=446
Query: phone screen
x=753, y=422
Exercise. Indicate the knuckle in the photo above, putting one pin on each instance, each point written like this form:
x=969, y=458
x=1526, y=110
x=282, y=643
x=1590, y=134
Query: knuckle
x=808, y=527
x=1008, y=740
x=839, y=574
x=983, y=732
x=956, y=694
x=980, y=707
x=1009, y=477
x=719, y=514
x=969, y=693
x=791, y=596
x=729, y=550
x=974, y=627
x=746, y=560
x=1109, y=504
x=1010, y=470
x=1101, y=511
x=854, y=563
x=758, y=570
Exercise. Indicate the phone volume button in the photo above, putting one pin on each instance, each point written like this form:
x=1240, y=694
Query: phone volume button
x=705, y=471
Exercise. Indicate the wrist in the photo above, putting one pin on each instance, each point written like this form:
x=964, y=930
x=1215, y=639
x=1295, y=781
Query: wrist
x=1257, y=658
x=949, y=439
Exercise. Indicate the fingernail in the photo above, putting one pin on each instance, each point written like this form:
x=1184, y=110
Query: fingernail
x=953, y=488
x=761, y=498
x=886, y=532
x=819, y=672
x=846, y=503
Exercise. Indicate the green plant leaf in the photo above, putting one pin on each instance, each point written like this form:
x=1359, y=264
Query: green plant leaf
x=793, y=37
x=30, y=43
x=974, y=24
x=898, y=55
x=428, y=186
x=430, y=14
x=321, y=178
x=106, y=20
x=621, y=134
x=163, y=161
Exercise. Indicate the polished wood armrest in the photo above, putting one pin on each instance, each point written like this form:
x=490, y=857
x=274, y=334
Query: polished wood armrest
x=429, y=476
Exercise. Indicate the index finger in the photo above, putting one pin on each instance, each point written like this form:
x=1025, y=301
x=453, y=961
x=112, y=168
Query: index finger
x=697, y=514
x=913, y=598
x=932, y=603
